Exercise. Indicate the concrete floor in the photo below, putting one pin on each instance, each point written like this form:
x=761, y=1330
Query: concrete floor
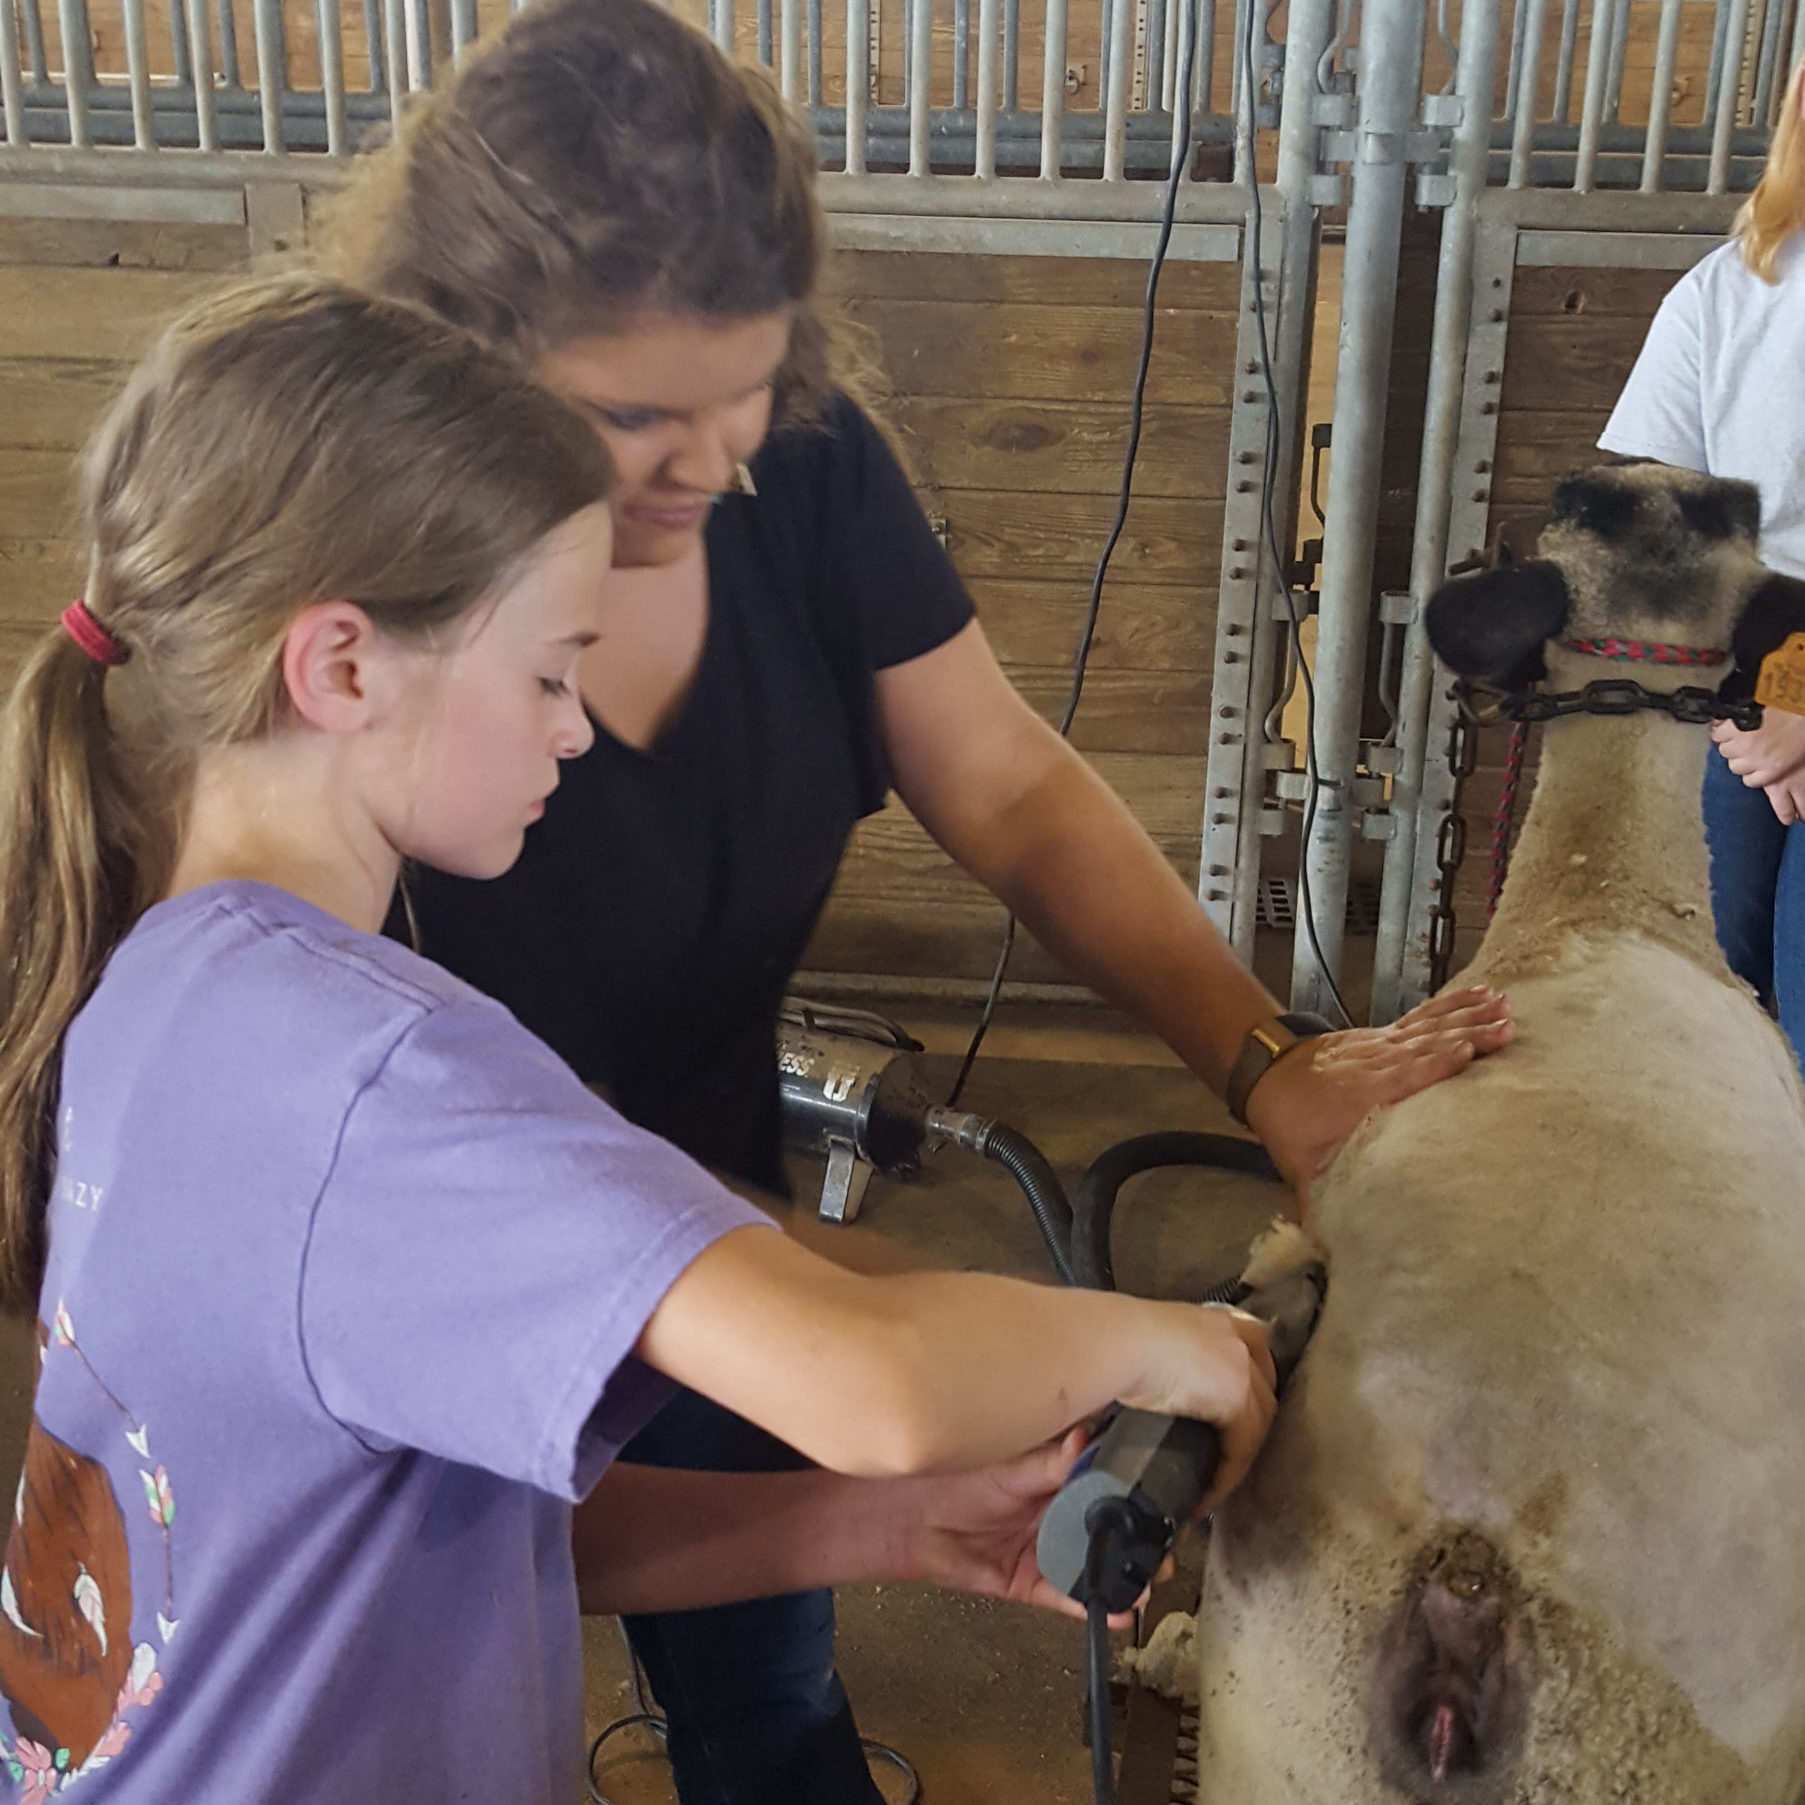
x=986, y=1700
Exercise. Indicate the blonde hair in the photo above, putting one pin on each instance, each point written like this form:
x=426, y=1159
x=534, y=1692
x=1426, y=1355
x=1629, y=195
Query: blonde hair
x=597, y=160
x=1777, y=207
x=288, y=442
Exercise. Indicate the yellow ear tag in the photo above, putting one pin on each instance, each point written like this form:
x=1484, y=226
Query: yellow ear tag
x=1782, y=680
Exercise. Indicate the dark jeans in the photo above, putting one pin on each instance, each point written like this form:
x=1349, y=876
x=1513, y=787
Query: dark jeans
x=757, y=1714
x=1758, y=893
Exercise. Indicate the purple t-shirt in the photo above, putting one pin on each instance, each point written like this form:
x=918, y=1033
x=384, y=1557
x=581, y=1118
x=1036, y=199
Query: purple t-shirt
x=345, y=1268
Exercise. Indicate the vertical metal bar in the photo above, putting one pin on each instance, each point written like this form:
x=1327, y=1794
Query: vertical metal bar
x=1391, y=60
x=182, y=61
x=78, y=67
x=1204, y=83
x=1620, y=38
x=394, y=48
x=789, y=73
x=228, y=46
x=1169, y=73
x=1513, y=78
x=137, y=66
x=1187, y=13
x=1533, y=16
x=1474, y=74
x=1720, y=38
x=1563, y=69
x=1157, y=17
x=1012, y=55
x=1115, y=97
x=266, y=19
x=1052, y=90
x=1660, y=104
x=921, y=83
x=200, y=42
x=1772, y=23
x=373, y=42
x=12, y=85
x=986, y=165
x=1797, y=54
x=961, y=53
x=1718, y=181
x=332, y=72
x=34, y=43
x=764, y=32
x=419, y=45
x=722, y=11
x=464, y=25
x=1591, y=117
x=814, y=52
x=1105, y=44
x=858, y=82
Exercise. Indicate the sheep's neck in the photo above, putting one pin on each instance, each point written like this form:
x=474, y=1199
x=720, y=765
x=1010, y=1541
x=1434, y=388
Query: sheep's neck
x=1613, y=844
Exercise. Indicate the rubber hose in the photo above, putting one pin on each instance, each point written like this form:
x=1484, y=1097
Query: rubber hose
x=1094, y=1206
x=1027, y=1165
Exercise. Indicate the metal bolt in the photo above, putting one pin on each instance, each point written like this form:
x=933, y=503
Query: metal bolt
x=1497, y=316
x=1482, y=465
x=1480, y=494
x=1237, y=545
x=1231, y=657
x=1250, y=394
x=1226, y=712
x=1227, y=739
x=1488, y=407
x=1220, y=820
x=1491, y=376
x=1222, y=792
x=1218, y=871
x=1244, y=488
x=1252, y=366
x=1236, y=572
x=1213, y=894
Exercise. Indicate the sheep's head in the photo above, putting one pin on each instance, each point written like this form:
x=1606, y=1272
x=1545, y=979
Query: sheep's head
x=1632, y=551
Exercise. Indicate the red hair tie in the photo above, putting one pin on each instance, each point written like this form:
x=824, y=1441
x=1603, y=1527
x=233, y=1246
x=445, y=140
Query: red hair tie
x=91, y=636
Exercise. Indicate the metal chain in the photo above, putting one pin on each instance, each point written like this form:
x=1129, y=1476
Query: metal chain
x=1609, y=696
x=1451, y=846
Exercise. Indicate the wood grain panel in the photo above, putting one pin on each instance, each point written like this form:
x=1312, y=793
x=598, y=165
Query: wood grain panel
x=120, y=244
x=1012, y=536
x=1123, y=711
x=1141, y=627
x=1032, y=351
x=1050, y=281
x=90, y=313
x=35, y=495
x=50, y=403
x=1631, y=294
x=1066, y=447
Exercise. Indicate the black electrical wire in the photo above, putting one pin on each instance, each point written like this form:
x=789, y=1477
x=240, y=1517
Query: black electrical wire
x=1137, y=404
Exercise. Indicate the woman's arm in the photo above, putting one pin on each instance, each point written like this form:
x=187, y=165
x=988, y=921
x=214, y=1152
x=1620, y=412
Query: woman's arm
x=942, y=1372
x=652, y=1539
x=1021, y=811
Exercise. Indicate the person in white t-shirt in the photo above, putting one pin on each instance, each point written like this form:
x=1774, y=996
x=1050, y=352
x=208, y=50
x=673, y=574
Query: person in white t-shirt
x=1720, y=387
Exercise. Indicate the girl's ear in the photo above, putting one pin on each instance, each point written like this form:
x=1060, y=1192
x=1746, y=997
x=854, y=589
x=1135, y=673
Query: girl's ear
x=1494, y=624
x=327, y=661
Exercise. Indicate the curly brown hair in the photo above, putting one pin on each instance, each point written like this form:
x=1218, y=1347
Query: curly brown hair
x=598, y=160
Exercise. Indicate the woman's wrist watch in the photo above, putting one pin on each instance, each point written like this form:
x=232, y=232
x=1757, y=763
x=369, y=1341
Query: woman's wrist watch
x=1262, y=1047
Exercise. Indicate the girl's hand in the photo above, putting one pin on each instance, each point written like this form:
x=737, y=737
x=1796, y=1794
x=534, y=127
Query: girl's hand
x=1769, y=754
x=1307, y=1105
x=1787, y=798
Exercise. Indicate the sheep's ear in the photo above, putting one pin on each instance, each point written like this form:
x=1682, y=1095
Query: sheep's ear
x=1769, y=617
x=1495, y=624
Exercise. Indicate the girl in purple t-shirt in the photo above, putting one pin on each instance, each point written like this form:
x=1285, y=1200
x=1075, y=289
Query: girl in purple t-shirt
x=347, y=1290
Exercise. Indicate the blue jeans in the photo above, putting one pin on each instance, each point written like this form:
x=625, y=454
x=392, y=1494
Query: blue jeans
x=1758, y=893
x=757, y=1713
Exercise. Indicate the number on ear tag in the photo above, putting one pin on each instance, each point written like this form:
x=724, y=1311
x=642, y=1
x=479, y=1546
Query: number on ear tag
x=1782, y=680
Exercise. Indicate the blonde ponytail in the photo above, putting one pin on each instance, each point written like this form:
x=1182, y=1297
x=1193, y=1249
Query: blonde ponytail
x=1776, y=209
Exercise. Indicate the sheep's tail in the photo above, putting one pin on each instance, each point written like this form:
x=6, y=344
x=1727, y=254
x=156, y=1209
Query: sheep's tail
x=1451, y=1682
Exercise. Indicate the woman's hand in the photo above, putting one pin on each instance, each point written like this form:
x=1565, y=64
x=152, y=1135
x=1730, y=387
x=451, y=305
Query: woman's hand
x=1787, y=798
x=1767, y=755
x=1307, y=1105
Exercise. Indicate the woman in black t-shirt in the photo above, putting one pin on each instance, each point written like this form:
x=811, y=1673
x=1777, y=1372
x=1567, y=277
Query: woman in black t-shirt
x=784, y=642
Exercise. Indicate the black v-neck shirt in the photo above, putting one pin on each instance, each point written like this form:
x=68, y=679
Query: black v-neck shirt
x=653, y=920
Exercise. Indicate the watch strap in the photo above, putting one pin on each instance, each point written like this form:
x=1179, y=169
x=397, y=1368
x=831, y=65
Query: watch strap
x=1262, y=1047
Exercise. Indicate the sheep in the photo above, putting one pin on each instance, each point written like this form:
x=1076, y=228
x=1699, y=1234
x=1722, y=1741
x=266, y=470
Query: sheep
x=1529, y=1526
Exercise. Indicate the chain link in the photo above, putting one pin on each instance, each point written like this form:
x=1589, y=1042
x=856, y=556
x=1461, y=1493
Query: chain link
x=1608, y=696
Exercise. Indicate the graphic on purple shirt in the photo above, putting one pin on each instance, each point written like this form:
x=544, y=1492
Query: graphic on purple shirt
x=345, y=1271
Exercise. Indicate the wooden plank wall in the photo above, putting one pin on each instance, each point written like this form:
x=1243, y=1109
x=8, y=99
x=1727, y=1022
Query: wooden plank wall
x=1011, y=378
x=1574, y=334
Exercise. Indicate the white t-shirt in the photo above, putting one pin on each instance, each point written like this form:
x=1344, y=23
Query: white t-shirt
x=1720, y=387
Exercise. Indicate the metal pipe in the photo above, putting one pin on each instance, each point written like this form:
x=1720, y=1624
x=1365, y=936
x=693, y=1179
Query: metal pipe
x=1563, y=69
x=722, y=11
x=1718, y=181
x=332, y=68
x=1156, y=55
x=921, y=78
x=1105, y=44
x=182, y=61
x=984, y=164
x=137, y=64
x=1169, y=71
x=419, y=46
x=1533, y=18
x=200, y=40
x=1591, y=118
x=1012, y=55
x=1203, y=84
x=464, y=25
x=1121, y=67
x=1513, y=76
x=228, y=46
x=789, y=72
x=373, y=36
x=34, y=43
x=1391, y=60
x=961, y=53
x=1720, y=37
x=1620, y=37
x=266, y=21
x=814, y=52
x=858, y=82
x=394, y=45
x=1244, y=113
x=12, y=86
x=1475, y=73
x=1660, y=104
x=78, y=66
x=764, y=32
x=1052, y=89
x=1773, y=19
